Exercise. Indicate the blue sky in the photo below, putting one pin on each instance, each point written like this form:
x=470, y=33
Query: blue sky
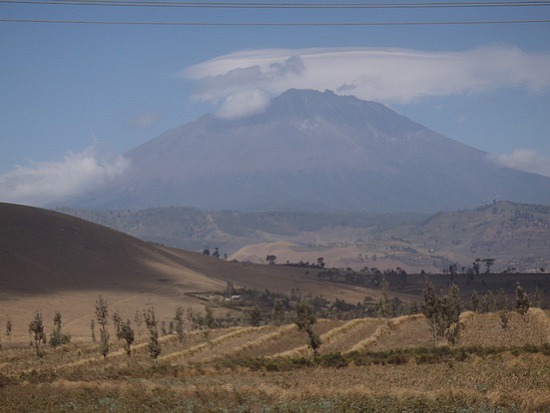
x=75, y=97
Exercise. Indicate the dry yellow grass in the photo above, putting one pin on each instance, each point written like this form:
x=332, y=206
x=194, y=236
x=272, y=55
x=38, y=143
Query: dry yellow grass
x=486, y=329
x=389, y=327
x=233, y=341
x=76, y=372
x=506, y=382
x=299, y=349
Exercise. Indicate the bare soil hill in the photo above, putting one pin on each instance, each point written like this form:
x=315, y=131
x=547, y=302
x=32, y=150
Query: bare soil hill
x=54, y=262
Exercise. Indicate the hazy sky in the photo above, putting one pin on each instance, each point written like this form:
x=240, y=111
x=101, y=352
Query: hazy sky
x=74, y=97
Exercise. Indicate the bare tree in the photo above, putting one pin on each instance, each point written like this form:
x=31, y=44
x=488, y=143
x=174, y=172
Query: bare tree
x=475, y=301
x=278, y=314
x=102, y=316
x=451, y=314
x=151, y=323
x=431, y=308
x=305, y=319
x=179, y=327
x=127, y=334
x=384, y=304
x=138, y=318
x=9, y=328
x=522, y=300
x=57, y=337
x=254, y=316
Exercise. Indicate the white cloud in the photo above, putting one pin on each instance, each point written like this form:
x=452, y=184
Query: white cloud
x=525, y=160
x=386, y=75
x=44, y=183
x=241, y=104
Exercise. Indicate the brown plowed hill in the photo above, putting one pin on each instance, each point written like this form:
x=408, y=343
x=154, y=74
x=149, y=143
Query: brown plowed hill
x=54, y=262
x=43, y=251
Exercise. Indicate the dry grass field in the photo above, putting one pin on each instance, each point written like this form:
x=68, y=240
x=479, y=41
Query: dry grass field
x=380, y=365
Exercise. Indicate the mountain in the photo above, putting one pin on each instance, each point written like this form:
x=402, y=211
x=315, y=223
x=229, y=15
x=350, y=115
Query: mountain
x=314, y=151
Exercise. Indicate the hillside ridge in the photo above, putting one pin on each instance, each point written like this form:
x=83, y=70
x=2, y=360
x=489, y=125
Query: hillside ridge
x=517, y=235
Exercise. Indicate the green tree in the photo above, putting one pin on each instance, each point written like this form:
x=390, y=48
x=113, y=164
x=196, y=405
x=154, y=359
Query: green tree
x=305, y=319
x=151, y=323
x=57, y=337
x=102, y=317
x=442, y=313
x=270, y=258
x=488, y=264
x=36, y=329
x=321, y=262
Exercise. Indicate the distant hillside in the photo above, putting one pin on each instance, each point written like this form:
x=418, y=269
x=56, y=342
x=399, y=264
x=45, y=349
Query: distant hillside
x=313, y=151
x=195, y=229
x=515, y=235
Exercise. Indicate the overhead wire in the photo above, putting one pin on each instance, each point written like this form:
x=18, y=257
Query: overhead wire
x=277, y=24
x=274, y=5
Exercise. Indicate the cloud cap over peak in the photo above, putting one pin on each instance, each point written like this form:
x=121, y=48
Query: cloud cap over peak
x=387, y=75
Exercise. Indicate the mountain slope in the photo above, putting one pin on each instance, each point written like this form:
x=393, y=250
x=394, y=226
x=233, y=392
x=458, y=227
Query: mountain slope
x=314, y=151
x=44, y=251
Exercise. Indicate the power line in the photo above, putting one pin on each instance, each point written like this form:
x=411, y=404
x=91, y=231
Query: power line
x=278, y=24
x=271, y=5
